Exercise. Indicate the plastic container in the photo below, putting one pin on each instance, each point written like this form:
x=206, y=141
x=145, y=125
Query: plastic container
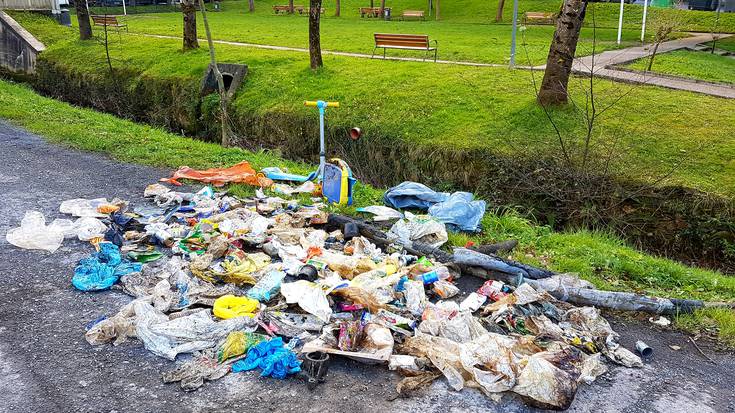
x=439, y=273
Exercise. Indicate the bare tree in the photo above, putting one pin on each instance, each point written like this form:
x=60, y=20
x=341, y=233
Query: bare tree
x=290, y=6
x=315, y=46
x=664, y=26
x=499, y=14
x=189, y=10
x=554, y=85
x=382, y=8
x=337, y=7
x=251, y=5
x=223, y=95
x=85, y=27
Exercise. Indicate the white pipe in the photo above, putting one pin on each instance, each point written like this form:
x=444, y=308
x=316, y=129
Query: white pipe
x=645, y=13
x=620, y=21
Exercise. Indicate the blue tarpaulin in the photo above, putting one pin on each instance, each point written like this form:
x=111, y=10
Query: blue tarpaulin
x=459, y=211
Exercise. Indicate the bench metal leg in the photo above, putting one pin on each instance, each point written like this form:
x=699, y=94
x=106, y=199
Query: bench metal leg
x=435, y=50
x=384, y=50
x=373, y=55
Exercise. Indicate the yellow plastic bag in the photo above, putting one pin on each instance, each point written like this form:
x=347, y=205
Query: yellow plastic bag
x=230, y=306
x=237, y=344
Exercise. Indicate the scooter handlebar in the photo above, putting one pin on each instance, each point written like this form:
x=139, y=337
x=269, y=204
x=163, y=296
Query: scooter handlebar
x=315, y=103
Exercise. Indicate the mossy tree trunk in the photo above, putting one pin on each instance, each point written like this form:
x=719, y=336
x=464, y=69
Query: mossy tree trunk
x=315, y=46
x=290, y=6
x=85, y=28
x=189, y=10
x=251, y=5
x=337, y=8
x=553, y=89
x=499, y=14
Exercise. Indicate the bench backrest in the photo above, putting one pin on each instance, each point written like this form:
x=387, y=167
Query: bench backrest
x=295, y=7
x=408, y=40
x=539, y=15
x=413, y=13
x=106, y=20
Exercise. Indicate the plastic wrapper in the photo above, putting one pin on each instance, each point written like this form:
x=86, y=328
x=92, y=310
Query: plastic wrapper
x=545, y=384
x=445, y=289
x=472, y=302
x=309, y=296
x=461, y=328
x=381, y=213
x=350, y=335
x=34, y=234
x=415, y=296
x=237, y=344
x=115, y=329
x=192, y=374
x=419, y=228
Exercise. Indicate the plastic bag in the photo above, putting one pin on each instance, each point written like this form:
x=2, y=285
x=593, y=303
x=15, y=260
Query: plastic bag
x=415, y=297
x=412, y=195
x=34, y=234
x=382, y=213
x=272, y=357
x=80, y=207
x=309, y=296
x=84, y=228
x=459, y=212
x=545, y=384
x=419, y=228
x=237, y=344
x=267, y=286
x=102, y=269
x=230, y=306
x=445, y=289
x=194, y=372
x=198, y=331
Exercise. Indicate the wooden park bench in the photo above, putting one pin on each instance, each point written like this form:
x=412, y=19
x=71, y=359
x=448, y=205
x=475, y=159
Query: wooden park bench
x=370, y=11
x=405, y=41
x=307, y=11
x=109, y=21
x=287, y=9
x=539, y=17
x=412, y=14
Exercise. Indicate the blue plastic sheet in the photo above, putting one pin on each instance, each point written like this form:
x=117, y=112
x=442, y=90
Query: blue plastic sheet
x=102, y=269
x=413, y=195
x=272, y=357
x=459, y=211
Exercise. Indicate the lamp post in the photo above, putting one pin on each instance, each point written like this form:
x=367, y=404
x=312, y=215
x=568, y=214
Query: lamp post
x=513, y=35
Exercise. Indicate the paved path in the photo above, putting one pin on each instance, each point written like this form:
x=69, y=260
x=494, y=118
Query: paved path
x=582, y=65
x=47, y=366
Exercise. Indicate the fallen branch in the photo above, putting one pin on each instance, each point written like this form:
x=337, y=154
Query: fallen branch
x=700, y=351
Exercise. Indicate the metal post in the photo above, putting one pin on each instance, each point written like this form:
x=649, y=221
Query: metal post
x=125, y=10
x=322, y=151
x=620, y=22
x=645, y=13
x=513, y=35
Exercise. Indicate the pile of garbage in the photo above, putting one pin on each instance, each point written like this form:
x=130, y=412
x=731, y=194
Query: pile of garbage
x=264, y=283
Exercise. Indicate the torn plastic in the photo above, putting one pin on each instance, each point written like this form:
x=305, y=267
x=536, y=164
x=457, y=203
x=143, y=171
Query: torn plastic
x=309, y=296
x=102, y=269
x=240, y=173
x=237, y=344
x=459, y=212
x=80, y=207
x=192, y=374
x=34, y=234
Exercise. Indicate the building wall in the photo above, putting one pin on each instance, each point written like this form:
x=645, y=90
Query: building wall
x=27, y=4
x=18, y=48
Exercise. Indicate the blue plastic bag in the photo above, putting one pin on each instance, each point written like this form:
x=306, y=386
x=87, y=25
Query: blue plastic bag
x=459, y=212
x=102, y=269
x=413, y=195
x=272, y=357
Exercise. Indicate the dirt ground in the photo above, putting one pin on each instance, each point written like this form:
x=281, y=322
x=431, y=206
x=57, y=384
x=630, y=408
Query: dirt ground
x=46, y=365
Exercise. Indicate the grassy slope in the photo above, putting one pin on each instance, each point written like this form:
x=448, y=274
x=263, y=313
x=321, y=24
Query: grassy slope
x=597, y=257
x=690, y=64
x=462, y=107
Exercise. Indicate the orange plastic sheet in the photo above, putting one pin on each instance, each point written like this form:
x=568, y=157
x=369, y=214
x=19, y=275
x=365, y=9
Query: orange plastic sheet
x=240, y=173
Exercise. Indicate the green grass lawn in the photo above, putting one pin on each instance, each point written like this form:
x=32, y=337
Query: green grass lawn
x=690, y=64
x=446, y=105
x=600, y=258
x=727, y=43
x=466, y=31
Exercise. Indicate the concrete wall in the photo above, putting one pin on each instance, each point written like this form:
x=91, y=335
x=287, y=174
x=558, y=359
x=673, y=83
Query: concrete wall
x=18, y=48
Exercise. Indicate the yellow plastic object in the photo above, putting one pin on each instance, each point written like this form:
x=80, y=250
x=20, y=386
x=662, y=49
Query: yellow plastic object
x=230, y=306
x=313, y=103
x=237, y=344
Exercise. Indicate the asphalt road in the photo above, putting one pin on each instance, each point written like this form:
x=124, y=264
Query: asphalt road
x=46, y=365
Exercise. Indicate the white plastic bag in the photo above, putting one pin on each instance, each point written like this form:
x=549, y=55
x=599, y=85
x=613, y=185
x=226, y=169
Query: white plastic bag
x=83, y=207
x=84, y=228
x=33, y=234
x=309, y=296
x=419, y=228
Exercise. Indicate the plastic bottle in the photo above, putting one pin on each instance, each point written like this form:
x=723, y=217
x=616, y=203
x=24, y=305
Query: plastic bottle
x=438, y=273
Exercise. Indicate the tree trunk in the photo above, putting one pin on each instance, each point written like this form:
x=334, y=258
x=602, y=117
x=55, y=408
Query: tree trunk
x=499, y=15
x=189, y=10
x=382, y=8
x=315, y=46
x=337, y=9
x=251, y=5
x=290, y=6
x=437, y=10
x=85, y=28
x=653, y=56
x=553, y=89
